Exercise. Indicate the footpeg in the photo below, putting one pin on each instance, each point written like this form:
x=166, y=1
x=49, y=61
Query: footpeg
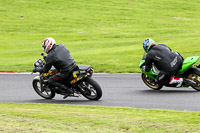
x=71, y=95
x=190, y=82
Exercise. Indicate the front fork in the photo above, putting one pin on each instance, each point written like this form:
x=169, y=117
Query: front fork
x=42, y=82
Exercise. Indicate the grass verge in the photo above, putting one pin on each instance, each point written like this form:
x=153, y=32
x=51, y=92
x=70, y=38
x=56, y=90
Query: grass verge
x=106, y=34
x=51, y=118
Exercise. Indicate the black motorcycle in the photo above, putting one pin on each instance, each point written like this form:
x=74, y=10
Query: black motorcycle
x=80, y=82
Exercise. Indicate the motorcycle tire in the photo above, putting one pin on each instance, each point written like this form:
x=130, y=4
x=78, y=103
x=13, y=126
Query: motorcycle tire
x=90, y=89
x=49, y=92
x=194, y=74
x=150, y=82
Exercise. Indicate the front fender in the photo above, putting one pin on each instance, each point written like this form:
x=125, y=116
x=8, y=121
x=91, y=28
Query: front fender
x=151, y=73
x=36, y=77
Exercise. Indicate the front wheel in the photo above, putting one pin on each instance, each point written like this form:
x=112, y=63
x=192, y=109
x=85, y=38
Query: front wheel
x=46, y=92
x=90, y=89
x=150, y=82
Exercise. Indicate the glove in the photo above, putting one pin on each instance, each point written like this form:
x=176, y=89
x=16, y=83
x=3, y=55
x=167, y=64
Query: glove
x=143, y=68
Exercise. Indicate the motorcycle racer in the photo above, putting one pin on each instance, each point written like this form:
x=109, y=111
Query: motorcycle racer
x=59, y=57
x=166, y=61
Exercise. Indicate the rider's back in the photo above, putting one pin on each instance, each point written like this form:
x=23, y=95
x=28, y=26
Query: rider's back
x=163, y=58
x=61, y=59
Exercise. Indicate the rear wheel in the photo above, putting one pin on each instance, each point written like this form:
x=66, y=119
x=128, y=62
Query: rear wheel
x=46, y=92
x=195, y=76
x=90, y=89
x=150, y=82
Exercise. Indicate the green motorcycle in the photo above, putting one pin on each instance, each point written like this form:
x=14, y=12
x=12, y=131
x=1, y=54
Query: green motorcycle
x=189, y=72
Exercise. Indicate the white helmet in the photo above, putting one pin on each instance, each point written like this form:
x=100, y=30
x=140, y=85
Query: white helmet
x=47, y=44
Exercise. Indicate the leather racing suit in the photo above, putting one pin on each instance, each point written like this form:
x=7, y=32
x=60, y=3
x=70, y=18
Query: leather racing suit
x=59, y=57
x=166, y=61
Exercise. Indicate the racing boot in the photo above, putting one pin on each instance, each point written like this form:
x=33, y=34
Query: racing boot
x=67, y=91
x=177, y=81
x=63, y=89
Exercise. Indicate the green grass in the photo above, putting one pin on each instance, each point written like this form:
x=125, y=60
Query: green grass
x=51, y=118
x=106, y=34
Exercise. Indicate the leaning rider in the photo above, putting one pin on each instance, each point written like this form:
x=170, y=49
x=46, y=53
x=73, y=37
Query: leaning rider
x=59, y=57
x=166, y=61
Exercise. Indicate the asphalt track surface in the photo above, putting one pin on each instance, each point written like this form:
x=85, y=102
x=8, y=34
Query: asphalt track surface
x=124, y=90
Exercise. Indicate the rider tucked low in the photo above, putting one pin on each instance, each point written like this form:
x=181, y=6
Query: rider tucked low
x=165, y=60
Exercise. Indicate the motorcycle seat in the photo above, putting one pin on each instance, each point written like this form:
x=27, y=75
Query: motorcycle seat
x=83, y=67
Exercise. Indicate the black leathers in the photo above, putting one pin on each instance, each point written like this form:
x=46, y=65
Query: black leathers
x=60, y=58
x=164, y=59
